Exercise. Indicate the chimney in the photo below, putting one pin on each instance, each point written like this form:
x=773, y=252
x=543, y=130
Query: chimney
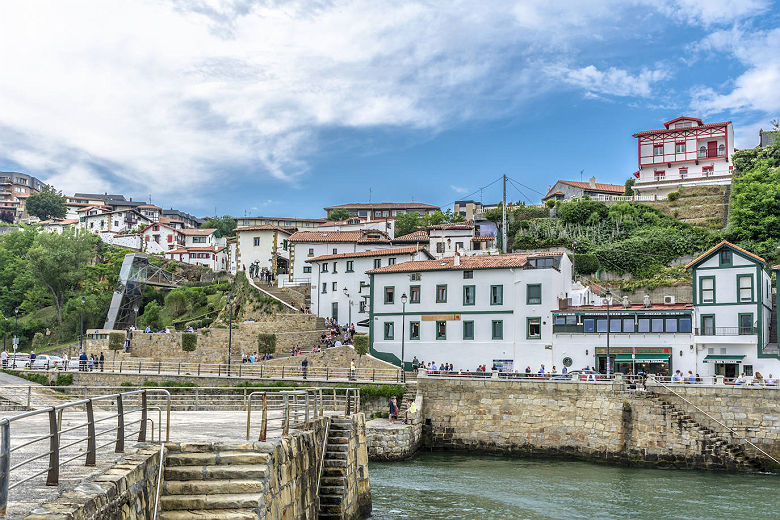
x=647, y=301
x=592, y=182
x=456, y=260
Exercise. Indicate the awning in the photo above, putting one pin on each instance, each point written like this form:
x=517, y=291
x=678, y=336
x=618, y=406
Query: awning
x=642, y=358
x=712, y=358
x=363, y=323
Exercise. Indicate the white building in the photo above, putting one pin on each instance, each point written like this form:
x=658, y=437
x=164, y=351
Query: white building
x=686, y=152
x=98, y=220
x=340, y=285
x=356, y=224
x=305, y=245
x=214, y=257
x=469, y=310
x=159, y=238
x=460, y=237
x=266, y=245
x=58, y=225
x=732, y=293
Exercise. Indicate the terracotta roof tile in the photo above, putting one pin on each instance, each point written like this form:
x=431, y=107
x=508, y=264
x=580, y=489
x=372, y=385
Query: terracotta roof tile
x=454, y=225
x=466, y=262
x=414, y=236
x=197, y=231
x=715, y=248
x=672, y=130
x=359, y=236
x=383, y=205
x=375, y=252
x=264, y=227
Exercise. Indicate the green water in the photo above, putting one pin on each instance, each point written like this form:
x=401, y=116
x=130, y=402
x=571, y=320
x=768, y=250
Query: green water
x=454, y=486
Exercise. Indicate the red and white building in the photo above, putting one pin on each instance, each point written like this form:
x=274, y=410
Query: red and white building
x=686, y=152
x=213, y=257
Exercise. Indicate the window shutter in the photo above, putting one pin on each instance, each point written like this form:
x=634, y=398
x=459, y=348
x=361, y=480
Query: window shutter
x=170, y=238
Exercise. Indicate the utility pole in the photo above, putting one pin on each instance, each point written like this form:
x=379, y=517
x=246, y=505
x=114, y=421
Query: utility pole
x=503, y=217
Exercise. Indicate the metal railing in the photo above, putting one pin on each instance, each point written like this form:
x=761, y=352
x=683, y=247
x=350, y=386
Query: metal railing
x=574, y=375
x=89, y=432
x=285, y=409
x=252, y=370
x=726, y=331
x=732, y=431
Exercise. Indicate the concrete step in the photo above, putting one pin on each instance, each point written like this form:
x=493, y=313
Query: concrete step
x=334, y=463
x=332, y=490
x=209, y=502
x=332, y=481
x=336, y=447
x=211, y=514
x=334, y=472
x=234, y=472
x=332, y=439
x=215, y=458
x=331, y=500
x=212, y=487
x=340, y=455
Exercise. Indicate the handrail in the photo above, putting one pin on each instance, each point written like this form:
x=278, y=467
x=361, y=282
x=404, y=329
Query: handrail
x=731, y=430
x=252, y=283
x=159, y=481
x=322, y=464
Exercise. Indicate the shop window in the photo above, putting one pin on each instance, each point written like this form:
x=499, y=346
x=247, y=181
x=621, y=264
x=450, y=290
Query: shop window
x=657, y=325
x=601, y=325
x=748, y=370
x=643, y=325
x=441, y=330
x=589, y=325
x=628, y=325
x=671, y=324
x=684, y=325
x=614, y=324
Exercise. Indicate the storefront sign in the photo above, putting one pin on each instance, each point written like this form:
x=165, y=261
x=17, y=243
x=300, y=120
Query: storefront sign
x=441, y=317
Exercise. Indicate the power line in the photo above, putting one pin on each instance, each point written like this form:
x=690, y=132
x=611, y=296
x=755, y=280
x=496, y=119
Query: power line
x=519, y=190
x=527, y=187
x=478, y=190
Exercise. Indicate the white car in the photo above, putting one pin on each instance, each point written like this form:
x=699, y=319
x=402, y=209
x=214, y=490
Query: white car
x=47, y=362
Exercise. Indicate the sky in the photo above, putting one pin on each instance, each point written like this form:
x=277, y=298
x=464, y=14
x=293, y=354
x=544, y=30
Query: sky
x=279, y=108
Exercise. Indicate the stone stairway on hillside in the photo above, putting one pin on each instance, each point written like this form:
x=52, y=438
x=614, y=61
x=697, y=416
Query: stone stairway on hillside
x=295, y=296
x=719, y=449
x=204, y=482
x=334, y=474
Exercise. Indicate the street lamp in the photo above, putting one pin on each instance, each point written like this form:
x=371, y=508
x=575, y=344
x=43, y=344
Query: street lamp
x=349, y=303
x=230, y=328
x=404, y=299
x=16, y=338
x=608, y=294
x=81, y=330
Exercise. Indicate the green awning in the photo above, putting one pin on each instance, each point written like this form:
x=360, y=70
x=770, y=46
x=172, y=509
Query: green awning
x=712, y=358
x=642, y=358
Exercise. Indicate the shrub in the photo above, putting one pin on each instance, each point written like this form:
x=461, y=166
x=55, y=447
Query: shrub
x=361, y=344
x=64, y=380
x=550, y=203
x=189, y=341
x=205, y=322
x=675, y=195
x=37, y=340
x=152, y=316
x=381, y=391
x=266, y=343
x=582, y=211
x=585, y=263
x=116, y=340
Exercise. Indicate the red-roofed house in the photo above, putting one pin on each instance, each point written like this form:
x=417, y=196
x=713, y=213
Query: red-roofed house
x=213, y=257
x=568, y=190
x=686, y=152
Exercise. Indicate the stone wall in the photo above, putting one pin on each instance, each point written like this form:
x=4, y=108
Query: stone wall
x=397, y=441
x=125, y=492
x=334, y=357
x=589, y=421
x=357, y=499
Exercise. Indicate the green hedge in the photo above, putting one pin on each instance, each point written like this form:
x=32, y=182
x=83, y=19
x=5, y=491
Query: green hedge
x=189, y=341
x=116, y=340
x=266, y=343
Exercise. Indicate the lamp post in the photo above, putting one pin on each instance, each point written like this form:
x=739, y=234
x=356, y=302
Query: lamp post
x=349, y=303
x=404, y=299
x=81, y=329
x=230, y=328
x=16, y=338
x=5, y=328
x=608, y=294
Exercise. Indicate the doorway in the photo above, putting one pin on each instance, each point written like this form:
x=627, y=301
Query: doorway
x=728, y=370
x=334, y=311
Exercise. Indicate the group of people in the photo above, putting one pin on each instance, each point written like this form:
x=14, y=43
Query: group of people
x=393, y=412
x=254, y=357
x=337, y=335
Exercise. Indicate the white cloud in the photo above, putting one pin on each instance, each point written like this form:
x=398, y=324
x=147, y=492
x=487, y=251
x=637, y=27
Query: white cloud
x=163, y=92
x=710, y=12
x=459, y=189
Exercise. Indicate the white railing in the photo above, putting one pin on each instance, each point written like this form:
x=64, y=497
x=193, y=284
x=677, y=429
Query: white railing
x=629, y=198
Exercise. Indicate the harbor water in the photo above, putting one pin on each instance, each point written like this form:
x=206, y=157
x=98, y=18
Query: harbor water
x=454, y=486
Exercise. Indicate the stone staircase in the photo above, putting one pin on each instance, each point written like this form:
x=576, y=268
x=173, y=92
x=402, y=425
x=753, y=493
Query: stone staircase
x=410, y=393
x=724, y=453
x=334, y=473
x=7, y=405
x=205, y=482
x=298, y=297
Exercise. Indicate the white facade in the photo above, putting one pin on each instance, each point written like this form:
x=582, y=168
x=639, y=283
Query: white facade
x=447, y=239
x=213, y=257
x=260, y=244
x=59, y=225
x=685, y=153
x=356, y=224
x=98, y=220
x=469, y=311
x=340, y=287
x=733, y=302
x=159, y=238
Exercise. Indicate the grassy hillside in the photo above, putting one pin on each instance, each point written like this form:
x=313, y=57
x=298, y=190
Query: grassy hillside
x=699, y=206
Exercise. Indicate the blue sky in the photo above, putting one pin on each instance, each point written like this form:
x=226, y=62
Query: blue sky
x=281, y=108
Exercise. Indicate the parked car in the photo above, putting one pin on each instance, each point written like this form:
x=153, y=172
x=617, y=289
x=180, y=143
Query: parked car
x=47, y=362
x=18, y=360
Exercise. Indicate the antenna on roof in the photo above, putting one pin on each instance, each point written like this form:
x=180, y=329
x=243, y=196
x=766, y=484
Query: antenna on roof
x=581, y=172
x=369, y=194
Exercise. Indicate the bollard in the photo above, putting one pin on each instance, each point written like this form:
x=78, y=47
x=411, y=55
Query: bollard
x=179, y=372
x=120, y=366
x=198, y=368
x=139, y=367
x=239, y=369
x=53, y=476
x=282, y=371
x=142, y=430
x=326, y=373
x=5, y=464
x=91, y=444
x=120, y=425
x=29, y=396
x=264, y=423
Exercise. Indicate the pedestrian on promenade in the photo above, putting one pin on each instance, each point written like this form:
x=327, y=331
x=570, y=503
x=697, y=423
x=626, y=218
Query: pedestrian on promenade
x=305, y=367
x=393, y=415
x=352, y=370
x=102, y=361
x=5, y=359
x=564, y=370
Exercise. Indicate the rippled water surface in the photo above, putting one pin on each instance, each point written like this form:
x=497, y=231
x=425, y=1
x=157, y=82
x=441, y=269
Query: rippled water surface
x=452, y=486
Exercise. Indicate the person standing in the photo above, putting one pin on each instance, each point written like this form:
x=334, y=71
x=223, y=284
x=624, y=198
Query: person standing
x=305, y=367
x=393, y=414
x=102, y=361
x=352, y=370
x=5, y=359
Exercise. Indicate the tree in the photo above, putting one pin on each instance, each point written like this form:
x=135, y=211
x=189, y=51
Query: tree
x=59, y=263
x=46, y=204
x=266, y=343
x=406, y=223
x=152, y=316
x=225, y=226
x=6, y=215
x=629, y=187
x=361, y=345
x=338, y=214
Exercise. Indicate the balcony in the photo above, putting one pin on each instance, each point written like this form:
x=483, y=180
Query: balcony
x=727, y=335
x=726, y=331
x=706, y=153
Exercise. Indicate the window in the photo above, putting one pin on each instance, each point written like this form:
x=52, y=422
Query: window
x=468, y=275
x=324, y=268
x=441, y=294
x=614, y=324
x=389, y=329
x=335, y=251
x=497, y=329
x=534, y=328
x=469, y=292
x=334, y=286
x=746, y=324
x=726, y=257
x=468, y=329
x=362, y=307
x=415, y=277
x=748, y=370
x=311, y=251
x=657, y=324
x=628, y=325
x=440, y=247
x=441, y=330
x=708, y=325
x=389, y=294
x=391, y=261
x=534, y=294
x=414, y=294
x=601, y=325
x=683, y=173
x=255, y=242
x=350, y=266
x=414, y=330
x=458, y=246
x=334, y=267
x=324, y=287
x=707, y=289
x=659, y=176
x=745, y=284
x=644, y=325
x=377, y=263
x=658, y=149
x=671, y=324
x=684, y=325
x=496, y=295
x=708, y=171
x=589, y=325
x=679, y=147
x=307, y=269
